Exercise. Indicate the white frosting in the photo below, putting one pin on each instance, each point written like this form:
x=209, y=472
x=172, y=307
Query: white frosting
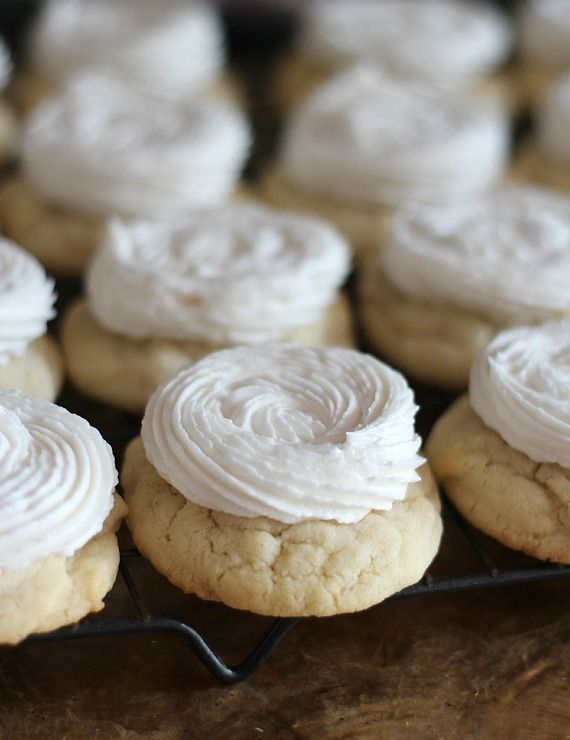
x=362, y=137
x=57, y=476
x=506, y=255
x=519, y=387
x=239, y=274
x=26, y=300
x=5, y=64
x=545, y=33
x=446, y=42
x=553, y=125
x=285, y=432
x=170, y=47
x=102, y=148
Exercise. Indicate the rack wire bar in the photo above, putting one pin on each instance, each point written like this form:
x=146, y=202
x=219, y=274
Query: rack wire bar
x=143, y=622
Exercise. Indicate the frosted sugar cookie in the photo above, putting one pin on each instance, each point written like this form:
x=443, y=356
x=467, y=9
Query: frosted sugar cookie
x=30, y=361
x=503, y=454
x=450, y=277
x=100, y=148
x=363, y=144
x=58, y=552
x=452, y=45
x=283, y=480
x=163, y=294
x=171, y=48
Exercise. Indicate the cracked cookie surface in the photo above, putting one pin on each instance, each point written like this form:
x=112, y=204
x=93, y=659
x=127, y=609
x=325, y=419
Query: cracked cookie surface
x=315, y=568
x=523, y=504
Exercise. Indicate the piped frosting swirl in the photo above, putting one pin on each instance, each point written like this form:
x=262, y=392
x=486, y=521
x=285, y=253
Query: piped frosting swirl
x=285, y=432
x=444, y=42
x=519, y=387
x=57, y=476
x=506, y=255
x=169, y=47
x=364, y=138
x=100, y=147
x=238, y=274
x=26, y=300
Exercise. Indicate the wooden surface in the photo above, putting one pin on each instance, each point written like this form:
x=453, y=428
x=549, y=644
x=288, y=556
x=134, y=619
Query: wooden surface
x=488, y=664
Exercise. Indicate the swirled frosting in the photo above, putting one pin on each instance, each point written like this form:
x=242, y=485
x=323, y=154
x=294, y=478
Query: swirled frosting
x=26, y=300
x=545, y=33
x=101, y=148
x=239, y=274
x=170, y=47
x=445, y=42
x=519, y=387
x=57, y=476
x=285, y=432
x=553, y=125
x=506, y=255
x=362, y=137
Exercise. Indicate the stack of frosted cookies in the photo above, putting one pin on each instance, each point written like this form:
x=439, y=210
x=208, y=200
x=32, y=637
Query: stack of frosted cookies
x=171, y=48
x=364, y=143
x=99, y=148
x=450, y=277
x=283, y=480
x=162, y=295
x=503, y=453
x=30, y=360
x=448, y=44
x=58, y=514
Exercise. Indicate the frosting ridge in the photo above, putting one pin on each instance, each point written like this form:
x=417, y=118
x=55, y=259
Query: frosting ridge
x=170, y=47
x=444, y=42
x=26, y=300
x=285, y=432
x=519, y=387
x=235, y=274
x=363, y=137
x=57, y=476
x=102, y=148
x=505, y=255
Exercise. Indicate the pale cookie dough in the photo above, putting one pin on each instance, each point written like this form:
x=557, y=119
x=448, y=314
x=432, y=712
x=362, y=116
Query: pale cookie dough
x=38, y=372
x=363, y=225
x=62, y=240
x=313, y=568
x=56, y=590
x=523, y=504
x=124, y=372
x=435, y=344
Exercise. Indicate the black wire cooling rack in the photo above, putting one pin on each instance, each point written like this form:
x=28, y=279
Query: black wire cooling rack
x=487, y=573
x=484, y=560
